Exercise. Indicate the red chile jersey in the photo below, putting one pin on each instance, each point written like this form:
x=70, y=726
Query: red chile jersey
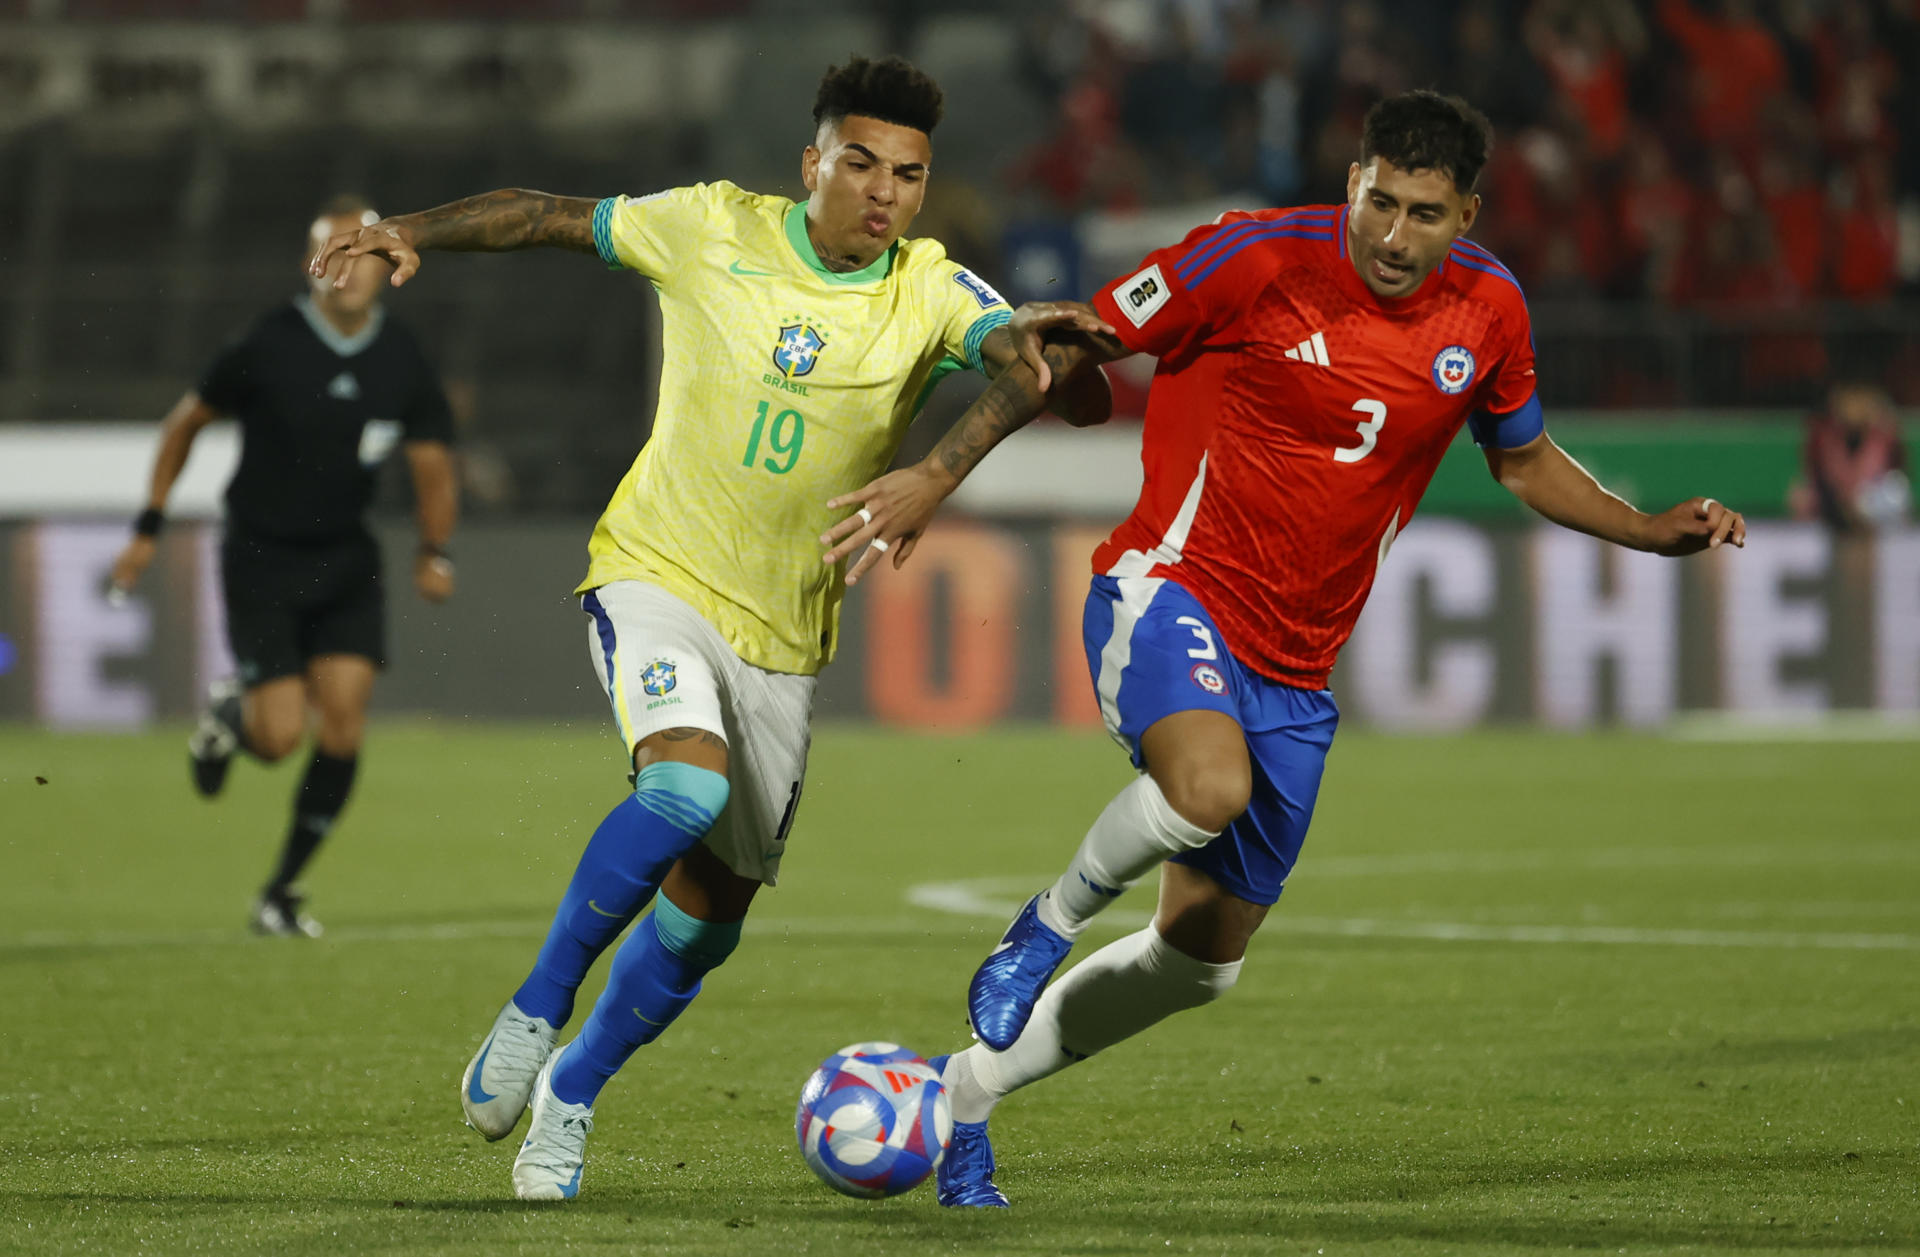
x=1295, y=419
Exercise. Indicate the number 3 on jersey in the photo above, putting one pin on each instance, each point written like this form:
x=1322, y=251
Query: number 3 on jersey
x=1369, y=429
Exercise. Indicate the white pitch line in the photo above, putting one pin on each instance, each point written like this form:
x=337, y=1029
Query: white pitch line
x=1464, y=932
x=976, y=898
x=998, y=898
x=444, y=932
x=1792, y=855
x=1837, y=726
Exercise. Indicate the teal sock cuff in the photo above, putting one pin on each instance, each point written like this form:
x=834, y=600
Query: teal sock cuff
x=702, y=942
x=688, y=798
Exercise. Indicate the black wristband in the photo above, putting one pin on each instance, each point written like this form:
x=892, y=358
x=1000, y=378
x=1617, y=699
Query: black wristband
x=149, y=522
x=430, y=551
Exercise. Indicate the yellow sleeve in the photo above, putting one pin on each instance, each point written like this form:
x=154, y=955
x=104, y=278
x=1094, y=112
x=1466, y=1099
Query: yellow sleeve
x=970, y=309
x=647, y=233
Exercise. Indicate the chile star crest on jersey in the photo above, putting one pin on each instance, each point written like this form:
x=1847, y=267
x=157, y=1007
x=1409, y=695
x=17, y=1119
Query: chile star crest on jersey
x=797, y=349
x=1453, y=369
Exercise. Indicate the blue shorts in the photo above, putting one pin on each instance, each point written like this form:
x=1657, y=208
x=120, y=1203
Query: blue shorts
x=1153, y=651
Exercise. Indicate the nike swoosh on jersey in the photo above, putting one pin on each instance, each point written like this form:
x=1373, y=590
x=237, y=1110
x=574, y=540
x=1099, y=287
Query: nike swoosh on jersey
x=602, y=911
x=738, y=269
x=650, y=1021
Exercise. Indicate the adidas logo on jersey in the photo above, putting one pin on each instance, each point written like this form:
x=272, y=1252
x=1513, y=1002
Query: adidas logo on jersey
x=1313, y=349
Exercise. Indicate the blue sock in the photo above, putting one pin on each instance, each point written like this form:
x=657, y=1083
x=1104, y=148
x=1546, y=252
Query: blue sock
x=656, y=973
x=671, y=808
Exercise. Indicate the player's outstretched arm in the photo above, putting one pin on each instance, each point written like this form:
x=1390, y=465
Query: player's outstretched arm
x=1546, y=478
x=177, y=431
x=1086, y=399
x=493, y=222
x=436, y=495
x=891, y=512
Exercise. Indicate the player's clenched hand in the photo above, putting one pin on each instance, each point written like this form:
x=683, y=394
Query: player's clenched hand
x=1032, y=321
x=386, y=239
x=132, y=562
x=1695, y=525
x=433, y=577
x=891, y=514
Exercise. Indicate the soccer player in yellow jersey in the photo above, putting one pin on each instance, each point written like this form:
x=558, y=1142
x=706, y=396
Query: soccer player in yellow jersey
x=800, y=341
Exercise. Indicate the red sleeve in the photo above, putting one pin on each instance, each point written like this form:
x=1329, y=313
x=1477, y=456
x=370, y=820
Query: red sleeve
x=1510, y=385
x=1184, y=296
x=1506, y=411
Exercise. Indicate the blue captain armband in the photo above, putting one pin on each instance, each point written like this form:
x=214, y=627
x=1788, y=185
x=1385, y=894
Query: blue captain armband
x=977, y=334
x=1509, y=431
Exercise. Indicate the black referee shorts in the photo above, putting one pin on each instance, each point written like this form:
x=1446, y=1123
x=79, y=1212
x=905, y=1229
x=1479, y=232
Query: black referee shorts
x=290, y=601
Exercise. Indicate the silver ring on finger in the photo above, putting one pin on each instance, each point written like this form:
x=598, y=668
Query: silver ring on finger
x=866, y=516
x=880, y=545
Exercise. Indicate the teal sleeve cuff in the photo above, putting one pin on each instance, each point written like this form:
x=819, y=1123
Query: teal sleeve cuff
x=603, y=232
x=978, y=333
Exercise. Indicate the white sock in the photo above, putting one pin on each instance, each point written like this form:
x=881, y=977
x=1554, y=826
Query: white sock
x=1136, y=832
x=1112, y=995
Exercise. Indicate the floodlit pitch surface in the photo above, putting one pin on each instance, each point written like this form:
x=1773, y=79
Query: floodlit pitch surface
x=1527, y=993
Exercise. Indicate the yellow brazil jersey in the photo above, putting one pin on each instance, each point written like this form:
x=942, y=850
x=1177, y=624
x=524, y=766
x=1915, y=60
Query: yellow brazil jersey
x=782, y=385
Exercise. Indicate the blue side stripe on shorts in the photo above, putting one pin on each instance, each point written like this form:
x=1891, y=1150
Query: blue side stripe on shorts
x=604, y=626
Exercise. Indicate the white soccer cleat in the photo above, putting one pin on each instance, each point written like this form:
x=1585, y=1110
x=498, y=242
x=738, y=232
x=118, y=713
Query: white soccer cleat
x=555, y=1151
x=499, y=1078
x=279, y=914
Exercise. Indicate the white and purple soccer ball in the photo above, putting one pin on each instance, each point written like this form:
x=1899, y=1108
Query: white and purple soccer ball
x=874, y=1120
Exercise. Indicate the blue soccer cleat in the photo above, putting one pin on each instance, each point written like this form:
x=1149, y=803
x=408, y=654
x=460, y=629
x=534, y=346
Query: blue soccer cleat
x=965, y=1176
x=1005, y=987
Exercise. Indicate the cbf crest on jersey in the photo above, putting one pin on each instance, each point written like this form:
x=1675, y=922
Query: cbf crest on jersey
x=658, y=677
x=798, y=349
x=1453, y=369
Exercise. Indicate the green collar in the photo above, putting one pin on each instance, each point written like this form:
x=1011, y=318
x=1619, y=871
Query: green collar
x=803, y=245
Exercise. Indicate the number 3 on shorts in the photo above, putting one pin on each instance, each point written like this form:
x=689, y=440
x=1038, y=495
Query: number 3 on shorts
x=1369, y=430
x=1206, y=649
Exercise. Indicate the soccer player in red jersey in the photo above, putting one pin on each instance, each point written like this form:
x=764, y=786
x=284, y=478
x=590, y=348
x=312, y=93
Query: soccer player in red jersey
x=1314, y=366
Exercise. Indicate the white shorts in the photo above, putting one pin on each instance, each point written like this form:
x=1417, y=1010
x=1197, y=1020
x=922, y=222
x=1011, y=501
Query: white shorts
x=662, y=666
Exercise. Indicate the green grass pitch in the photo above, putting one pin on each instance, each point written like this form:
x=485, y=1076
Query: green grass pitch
x=1527, y=994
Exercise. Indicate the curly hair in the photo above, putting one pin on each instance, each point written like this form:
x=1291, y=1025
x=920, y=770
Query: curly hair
x=1424, y=130
x=892, y=90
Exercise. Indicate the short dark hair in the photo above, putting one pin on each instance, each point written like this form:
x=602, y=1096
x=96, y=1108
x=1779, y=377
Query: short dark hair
x=891, y=89
x=1424, y=130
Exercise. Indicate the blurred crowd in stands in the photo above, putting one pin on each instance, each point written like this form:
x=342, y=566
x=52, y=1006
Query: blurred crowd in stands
x=1688, y=152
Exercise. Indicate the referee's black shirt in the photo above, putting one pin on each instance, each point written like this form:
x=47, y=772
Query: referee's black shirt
x=319, y=412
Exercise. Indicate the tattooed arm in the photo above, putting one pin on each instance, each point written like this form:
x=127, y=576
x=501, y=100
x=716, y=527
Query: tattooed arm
x=894, y=510
x=492, y=222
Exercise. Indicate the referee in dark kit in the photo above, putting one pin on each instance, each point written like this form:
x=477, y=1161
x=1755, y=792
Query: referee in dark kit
x=324, y=388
